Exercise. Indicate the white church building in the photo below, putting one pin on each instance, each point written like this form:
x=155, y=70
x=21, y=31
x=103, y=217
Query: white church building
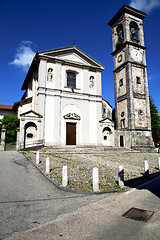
x=62, y=104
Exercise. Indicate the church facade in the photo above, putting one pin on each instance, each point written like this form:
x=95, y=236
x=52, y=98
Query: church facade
x=63, y=105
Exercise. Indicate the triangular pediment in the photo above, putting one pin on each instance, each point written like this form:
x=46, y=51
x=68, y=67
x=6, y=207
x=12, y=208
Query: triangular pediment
x=72, y=116
x=31, y=114
x=71, y=55
x=106, y=120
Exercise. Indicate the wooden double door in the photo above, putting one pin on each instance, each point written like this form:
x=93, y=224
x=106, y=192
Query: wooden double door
x=70, y=133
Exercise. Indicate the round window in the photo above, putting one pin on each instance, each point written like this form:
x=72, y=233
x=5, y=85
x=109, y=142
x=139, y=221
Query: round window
x=140, y=112
x=29, y=135
x=120, y=58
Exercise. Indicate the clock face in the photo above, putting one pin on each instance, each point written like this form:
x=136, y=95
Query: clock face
x=136, y=55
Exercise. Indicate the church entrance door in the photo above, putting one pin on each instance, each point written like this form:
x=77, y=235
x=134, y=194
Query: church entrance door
x=70, y=133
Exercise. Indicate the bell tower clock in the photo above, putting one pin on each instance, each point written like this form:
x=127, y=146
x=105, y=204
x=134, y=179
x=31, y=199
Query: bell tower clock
x=132, y=108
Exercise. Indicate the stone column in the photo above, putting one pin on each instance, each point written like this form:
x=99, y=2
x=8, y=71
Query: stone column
x=3, y=136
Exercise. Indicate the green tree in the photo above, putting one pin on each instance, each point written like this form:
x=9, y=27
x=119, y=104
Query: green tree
x=155, y=122
x=11, y=123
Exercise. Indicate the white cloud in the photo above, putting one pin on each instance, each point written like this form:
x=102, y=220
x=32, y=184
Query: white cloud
x=145, y=5
x=24, y=55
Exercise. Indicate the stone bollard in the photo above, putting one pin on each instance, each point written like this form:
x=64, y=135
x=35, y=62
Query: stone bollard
x=47, y=165
x=121, y=176
x=17, y=141
x=146, y=168
x=3, y=136
x=159, y=163
x=64, y=176
x=95, y=179
x=37, y=157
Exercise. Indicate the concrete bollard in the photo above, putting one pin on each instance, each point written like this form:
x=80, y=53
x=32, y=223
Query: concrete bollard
x=37, y=157
x=64, y=176
x=47, y=165
x=146, y=168
x=95, y=179
x=159, y=163
x=3, y=135
x=18, y=141
x=121, y=176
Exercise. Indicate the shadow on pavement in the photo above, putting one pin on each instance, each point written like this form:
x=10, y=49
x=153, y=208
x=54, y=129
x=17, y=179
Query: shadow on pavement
x=153, y=187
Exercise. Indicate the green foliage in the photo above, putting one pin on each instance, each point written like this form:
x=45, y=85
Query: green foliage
x=155, y=122
x=119, y=43
x=11, y=123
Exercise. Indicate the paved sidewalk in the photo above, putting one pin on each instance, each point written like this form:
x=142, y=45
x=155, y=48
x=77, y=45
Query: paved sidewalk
x=28, y=199
x=103, y=220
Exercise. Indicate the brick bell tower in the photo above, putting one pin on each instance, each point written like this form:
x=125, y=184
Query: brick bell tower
x=132, y=108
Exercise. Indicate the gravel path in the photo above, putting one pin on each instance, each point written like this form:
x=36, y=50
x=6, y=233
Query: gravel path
x=81, y=162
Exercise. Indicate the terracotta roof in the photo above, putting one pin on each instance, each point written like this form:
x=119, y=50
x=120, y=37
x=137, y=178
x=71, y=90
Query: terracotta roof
x=6, y=107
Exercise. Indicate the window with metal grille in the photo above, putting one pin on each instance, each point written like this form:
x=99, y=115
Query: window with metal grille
x=71, y=79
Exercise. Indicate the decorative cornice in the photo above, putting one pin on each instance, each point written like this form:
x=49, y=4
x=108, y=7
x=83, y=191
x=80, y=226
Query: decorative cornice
x=121, y=98
x=139, y=96
x=132, y=62
x=129, y=10
x=127, y=43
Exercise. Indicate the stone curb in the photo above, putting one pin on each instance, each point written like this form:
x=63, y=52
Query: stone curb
x=87, y=192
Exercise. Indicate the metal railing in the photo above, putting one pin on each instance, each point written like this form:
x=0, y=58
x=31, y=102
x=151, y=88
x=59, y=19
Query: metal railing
x=32, y=144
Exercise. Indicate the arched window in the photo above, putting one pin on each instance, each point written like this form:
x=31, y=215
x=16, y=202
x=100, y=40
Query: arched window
x=30, y=134
x=30, y=124
x=107, y=129
x=120, y=36
x=120, y=32
x=30, y=129
x=133, y=31
x=106, y=132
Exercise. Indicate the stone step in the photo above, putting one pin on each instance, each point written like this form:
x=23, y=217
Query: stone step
x=86, y=149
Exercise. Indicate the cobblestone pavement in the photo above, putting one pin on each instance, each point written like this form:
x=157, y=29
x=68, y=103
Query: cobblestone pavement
x=81, y=161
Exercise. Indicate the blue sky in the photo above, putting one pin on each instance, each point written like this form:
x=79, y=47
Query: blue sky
x=29, y=26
